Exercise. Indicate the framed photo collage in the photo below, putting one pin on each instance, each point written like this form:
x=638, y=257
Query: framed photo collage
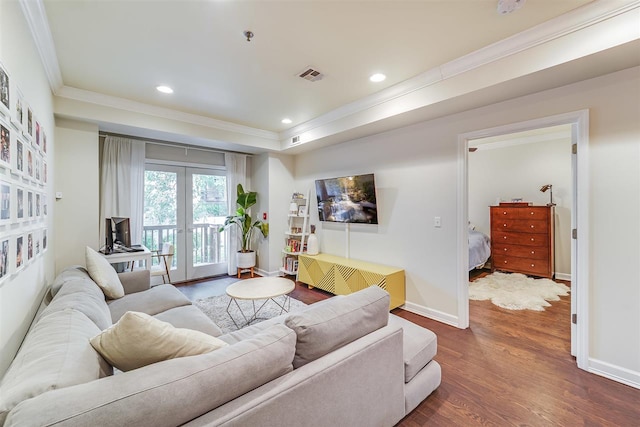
x=23, y=180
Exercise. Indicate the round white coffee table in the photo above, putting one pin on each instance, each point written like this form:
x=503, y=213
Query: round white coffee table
x=259, y=288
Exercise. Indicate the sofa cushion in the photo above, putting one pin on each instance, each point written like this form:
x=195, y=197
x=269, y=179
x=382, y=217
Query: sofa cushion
x=55, y=354
x=168, y=393
x=84, y=295
x=420, y=345
x=139, y=340
x=153, y=301
x=324, y=328
x=103, y=274
x=190, y=317
x=75, y=272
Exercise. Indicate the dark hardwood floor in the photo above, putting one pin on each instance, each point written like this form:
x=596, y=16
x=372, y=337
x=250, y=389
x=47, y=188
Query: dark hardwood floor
x=508, y=368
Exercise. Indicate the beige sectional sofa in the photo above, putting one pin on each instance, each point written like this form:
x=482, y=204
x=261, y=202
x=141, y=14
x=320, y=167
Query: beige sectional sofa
x=343, y=361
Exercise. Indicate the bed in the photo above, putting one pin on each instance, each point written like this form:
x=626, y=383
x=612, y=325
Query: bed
x=479, y=249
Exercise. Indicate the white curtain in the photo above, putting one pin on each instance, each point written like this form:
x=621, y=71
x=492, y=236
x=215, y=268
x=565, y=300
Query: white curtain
x=122, y=184
x=236, y=165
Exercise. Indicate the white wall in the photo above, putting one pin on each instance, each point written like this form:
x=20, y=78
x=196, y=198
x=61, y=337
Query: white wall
x=416, y=173
x=519, y=171
x=272, y=178
x=77, y=178
x=21, y=294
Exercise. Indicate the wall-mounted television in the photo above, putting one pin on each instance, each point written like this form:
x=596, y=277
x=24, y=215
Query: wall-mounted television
x=347, y=199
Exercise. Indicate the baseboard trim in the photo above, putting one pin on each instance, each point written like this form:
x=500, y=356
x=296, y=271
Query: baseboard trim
x=563, y=276
x=432, y=314
x=615, y=373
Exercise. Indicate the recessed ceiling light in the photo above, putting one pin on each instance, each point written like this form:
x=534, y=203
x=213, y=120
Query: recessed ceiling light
x=286, y=121
x=377, y=77
x=164, y=89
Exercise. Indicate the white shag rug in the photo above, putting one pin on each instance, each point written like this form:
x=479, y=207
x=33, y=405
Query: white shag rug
x=515, y=291
x=216, y=309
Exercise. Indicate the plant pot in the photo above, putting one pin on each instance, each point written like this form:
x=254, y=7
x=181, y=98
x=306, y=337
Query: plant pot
x=246, y=259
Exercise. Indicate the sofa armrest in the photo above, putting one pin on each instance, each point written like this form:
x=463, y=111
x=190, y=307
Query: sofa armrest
x=135, y=281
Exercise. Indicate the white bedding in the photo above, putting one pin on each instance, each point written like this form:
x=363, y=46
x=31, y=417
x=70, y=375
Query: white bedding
x=479, y=249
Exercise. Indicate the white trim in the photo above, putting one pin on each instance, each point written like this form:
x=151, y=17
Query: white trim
x=572, y=21
x=615, y=373
x=522, y=141
x=36, y=17
x=165, y=113
x=563, y=276
x=184, y=164
x=580, y=272
x=462, y=232
x=431, y=313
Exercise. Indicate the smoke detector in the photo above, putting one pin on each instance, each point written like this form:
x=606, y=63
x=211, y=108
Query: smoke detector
x=508, y=6
x=310, y=74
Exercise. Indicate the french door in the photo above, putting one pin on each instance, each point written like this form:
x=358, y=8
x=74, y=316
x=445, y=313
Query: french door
x=186, y=206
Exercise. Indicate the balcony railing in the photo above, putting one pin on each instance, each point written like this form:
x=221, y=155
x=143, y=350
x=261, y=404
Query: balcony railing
x=208, y=243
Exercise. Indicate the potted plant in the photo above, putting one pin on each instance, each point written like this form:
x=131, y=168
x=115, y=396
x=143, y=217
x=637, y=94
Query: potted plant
x=246, y=258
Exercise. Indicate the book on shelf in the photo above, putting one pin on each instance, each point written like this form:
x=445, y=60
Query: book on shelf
x=290, y=264
x=293, y=245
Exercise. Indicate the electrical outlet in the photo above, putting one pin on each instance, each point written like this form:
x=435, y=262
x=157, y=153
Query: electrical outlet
x=436, y=222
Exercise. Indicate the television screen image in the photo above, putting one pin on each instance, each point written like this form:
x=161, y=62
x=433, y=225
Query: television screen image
x=347, y=199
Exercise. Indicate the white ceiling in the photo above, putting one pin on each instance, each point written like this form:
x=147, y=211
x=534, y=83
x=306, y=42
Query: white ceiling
x=126, y=48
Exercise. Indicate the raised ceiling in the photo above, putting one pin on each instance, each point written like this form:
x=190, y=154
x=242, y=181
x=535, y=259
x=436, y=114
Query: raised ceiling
x=124, y=49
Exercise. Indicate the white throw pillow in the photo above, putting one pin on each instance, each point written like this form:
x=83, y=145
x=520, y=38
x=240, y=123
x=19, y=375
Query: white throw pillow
x=138, y=339
x=103, y=274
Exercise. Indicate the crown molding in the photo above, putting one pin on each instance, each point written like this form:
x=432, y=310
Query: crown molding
x=36, y=17
x=575, y=20
x=165, y=113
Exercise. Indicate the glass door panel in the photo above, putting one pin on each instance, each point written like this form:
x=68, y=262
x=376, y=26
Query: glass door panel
x=164, y=214
x=207, y=211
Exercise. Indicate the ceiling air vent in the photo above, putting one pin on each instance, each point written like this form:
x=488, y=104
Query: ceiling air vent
x=311, y=74
x=295, y=139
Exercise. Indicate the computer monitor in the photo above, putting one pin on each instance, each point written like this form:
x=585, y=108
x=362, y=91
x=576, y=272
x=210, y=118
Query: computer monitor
x=108, y=231
x=122, y=231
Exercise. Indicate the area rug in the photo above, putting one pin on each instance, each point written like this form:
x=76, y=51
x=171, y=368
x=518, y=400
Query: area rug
x=515, y=291
x=216, y=309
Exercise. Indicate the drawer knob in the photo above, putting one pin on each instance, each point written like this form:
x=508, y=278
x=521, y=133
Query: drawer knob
x=505, y=249
x=505, y=262
x=533, y=265
x=504, y=213
x=533, y=252
x=504, y=225
x=504, y=237
x=533, y=240
x=533, y=226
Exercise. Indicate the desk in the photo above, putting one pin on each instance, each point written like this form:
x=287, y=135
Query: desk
x=117, y=257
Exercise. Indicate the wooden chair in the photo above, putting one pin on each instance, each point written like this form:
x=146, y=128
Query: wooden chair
x=165, y=256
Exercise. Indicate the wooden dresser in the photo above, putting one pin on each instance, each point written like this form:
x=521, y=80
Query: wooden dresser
x=522, y=239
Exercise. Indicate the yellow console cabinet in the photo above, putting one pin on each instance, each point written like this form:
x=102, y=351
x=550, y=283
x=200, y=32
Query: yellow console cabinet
x=342, y=276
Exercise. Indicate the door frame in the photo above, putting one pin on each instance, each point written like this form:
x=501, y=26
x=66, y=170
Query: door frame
x=184, y=226
x=192, y=271
x=579, y=121
x=179, y=274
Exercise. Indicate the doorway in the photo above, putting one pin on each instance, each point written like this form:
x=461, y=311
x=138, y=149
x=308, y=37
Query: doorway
x=578, y=122
x=185, y=206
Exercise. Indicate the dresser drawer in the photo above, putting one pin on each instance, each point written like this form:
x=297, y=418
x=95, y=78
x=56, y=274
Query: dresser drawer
x=523, y=265
x=522, y=226
x=519, y=251
x=534, y=212
x=512, y=238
